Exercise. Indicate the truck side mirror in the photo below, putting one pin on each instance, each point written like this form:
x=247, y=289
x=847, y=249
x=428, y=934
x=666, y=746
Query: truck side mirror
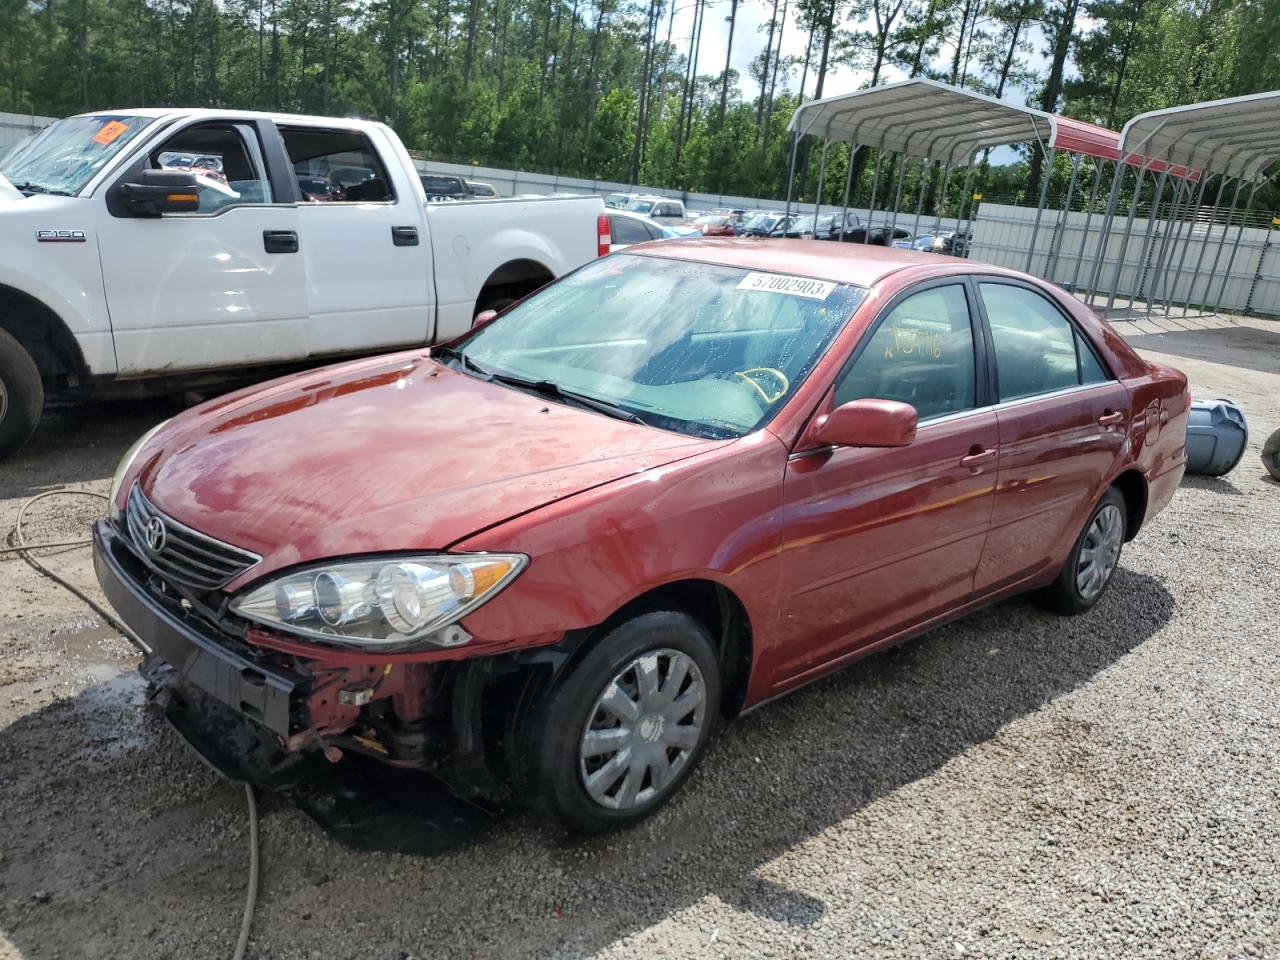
x=160, y=191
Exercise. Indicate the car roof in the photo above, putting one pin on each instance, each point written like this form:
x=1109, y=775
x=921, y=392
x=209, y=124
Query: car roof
x=855, y=263
x=209, y=113
x=632, y=215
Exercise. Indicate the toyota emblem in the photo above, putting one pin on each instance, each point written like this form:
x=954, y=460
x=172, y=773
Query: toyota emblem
x=155, y=534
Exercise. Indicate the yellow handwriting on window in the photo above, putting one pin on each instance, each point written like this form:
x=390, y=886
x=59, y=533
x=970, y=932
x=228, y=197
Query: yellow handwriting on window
x=912, y=343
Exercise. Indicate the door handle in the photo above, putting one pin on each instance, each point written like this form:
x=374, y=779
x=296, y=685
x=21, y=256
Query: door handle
x=404, y=236
x=977, y=456
x=280, y=241
x=1110, y=417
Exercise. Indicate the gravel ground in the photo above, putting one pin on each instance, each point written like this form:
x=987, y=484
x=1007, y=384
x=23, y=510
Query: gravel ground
x=1013, y=785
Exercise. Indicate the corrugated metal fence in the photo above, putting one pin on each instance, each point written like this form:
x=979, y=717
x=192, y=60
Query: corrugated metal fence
x=1237, y=268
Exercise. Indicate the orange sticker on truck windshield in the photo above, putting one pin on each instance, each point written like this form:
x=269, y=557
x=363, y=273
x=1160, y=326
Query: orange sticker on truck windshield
x=109, y=132
x=781, y=283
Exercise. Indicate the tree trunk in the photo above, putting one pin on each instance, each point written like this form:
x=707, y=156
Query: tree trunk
x=773, y=83
x=1053, y=86
x=637, y=144
x=728, y=54
x=472, y=18
x=764, y=67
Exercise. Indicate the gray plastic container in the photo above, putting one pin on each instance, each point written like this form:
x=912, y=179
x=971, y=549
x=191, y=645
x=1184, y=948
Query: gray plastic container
x=1216, y=437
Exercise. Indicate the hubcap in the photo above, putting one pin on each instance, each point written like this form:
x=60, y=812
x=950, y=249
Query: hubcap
x=642, y=729
x=1100, y=552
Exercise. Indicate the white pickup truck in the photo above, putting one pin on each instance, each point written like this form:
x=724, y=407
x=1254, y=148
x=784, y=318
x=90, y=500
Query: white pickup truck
x=154, y=249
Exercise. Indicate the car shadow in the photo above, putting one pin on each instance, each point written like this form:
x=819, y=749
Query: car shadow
x=1212, y=484
x=141, y=852
x=1237, y=345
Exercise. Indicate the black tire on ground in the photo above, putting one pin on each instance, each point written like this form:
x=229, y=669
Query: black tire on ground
x=21, y=395
x=553, y=731
x=1064, y=594
x=1271, y=455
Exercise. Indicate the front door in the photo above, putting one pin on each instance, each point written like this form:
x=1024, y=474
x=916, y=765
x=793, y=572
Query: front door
x=219, y=287
x=367, y=258
x=1063, y=423
x=879, y=540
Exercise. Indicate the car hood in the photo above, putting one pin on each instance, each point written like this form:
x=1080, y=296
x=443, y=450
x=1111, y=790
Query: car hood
x=394, y=454
x=8, y=192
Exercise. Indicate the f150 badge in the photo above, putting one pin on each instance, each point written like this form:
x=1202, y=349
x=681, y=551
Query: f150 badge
x=60, y=236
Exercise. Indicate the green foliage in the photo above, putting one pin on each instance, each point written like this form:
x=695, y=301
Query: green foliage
x=557, y=85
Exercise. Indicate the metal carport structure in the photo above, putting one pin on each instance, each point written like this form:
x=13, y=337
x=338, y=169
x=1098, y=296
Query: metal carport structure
x=936, y=123
x=1232, y=140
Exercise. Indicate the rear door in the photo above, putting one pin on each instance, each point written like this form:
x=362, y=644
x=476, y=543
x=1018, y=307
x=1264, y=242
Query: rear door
x=222, y=286
x=368, y=261
x=879, y=540
x=1063, y=422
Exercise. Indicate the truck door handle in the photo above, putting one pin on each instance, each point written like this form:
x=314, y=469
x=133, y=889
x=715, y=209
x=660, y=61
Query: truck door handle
x=280, y=241
x=977, y=456
x=404, y=236
x=1110, y=417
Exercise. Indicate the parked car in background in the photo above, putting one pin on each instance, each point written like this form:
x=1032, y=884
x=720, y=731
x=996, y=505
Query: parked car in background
x=715, y=225
x=668, y=488
x=626, y=229
x=616, y=201
x=320, y=190
x=662, y=209
x=826, y=226
x=955, y=243
x=444, y=185
x=117, y=273
x=480, y=189
x=879, y=236
x=679, y=231
x=763, y=222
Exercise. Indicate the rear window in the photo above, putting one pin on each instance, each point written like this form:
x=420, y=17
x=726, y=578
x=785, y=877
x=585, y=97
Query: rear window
x=345, y=157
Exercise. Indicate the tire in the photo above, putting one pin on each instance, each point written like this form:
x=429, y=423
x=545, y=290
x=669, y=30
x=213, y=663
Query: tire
x=1271, y=455
x=663, y=747
x=1092, y=563
x=21, y=395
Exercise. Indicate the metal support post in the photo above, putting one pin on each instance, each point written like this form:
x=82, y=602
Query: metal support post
x=1186, y=244
x=1124, y=241
x=1204, y=247
x=942, y=201
x=822, y=179
x=1257, y=270
x=1044, y=193
x=1084, y=232
x=848, y=184
x=897, y=198
x=1222, y=243
x=1153, y=214
x=875, y=186
x=1244, y=218
x=1158, y=276
x=1108, y=217
x=1059, y=228
x=925, y=164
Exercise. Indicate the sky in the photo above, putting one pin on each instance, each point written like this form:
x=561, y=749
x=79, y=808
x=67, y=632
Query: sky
x=752, y=33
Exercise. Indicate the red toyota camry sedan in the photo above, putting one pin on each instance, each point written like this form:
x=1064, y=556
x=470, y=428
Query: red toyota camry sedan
x=542, y=561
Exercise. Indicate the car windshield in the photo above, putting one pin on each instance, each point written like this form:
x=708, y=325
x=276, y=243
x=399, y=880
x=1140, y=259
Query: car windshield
x=805, y=224
x=703, y=349
x=639, y=206
x=761, y=220
x=64, y=156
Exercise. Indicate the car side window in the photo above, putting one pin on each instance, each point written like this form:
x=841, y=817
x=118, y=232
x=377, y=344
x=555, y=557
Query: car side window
x=668, y=210
x=225, y=160
x=346, y=162
x=921, y=353
x=1037, y=349
x=628, y=231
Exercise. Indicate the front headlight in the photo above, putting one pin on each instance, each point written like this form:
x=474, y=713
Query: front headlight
x=123, y=467
x=382, y=603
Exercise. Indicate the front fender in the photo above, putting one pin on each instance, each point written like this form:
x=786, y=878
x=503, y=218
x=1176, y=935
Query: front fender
x=65, y=274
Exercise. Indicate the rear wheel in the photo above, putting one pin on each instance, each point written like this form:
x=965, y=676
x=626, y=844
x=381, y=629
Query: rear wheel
x=21, y=395
x=622, y=730
x=1093, y=560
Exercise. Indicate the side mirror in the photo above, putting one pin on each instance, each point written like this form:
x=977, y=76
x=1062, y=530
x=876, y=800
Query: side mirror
x=160, y=191
x=482, y=318
x=867, y=423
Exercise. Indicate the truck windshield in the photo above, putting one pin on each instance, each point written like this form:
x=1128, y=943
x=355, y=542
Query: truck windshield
x=64, y=156
x=698, y=348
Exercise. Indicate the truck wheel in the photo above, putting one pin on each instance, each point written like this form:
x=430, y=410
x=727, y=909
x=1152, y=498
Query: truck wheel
x=21, y=395
x=622, y=729
x=1093, y=560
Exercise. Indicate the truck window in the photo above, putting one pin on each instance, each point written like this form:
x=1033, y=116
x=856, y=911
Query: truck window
x=670, y=210
x=226, y=162
x=336, y=166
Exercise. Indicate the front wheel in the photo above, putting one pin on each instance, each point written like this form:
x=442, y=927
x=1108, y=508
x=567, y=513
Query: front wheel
x=21, y=395
x=622, y=730
x=1093, y=560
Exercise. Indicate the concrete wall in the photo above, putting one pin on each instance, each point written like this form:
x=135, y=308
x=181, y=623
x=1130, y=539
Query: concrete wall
x=1161, y=259
x=18, y=126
